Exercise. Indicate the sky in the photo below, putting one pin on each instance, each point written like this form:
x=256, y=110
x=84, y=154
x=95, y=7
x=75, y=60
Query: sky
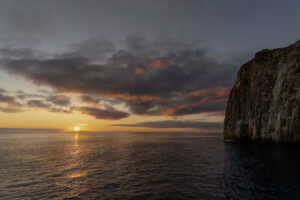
x=131, y=65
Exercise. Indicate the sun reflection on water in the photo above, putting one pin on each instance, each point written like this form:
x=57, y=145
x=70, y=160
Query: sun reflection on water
x=73, y=172
x=76, y=137
x=76, y=146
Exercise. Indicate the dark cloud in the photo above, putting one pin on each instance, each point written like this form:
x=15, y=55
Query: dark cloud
x=24, y=95
x=12, y=105
x=35, y=101
x=177, y=124
x=38, y=104
x=89, y=99
x=10, y=110
x=41, y=104
x=170, y=76
x=60, y=110
x=92, y=48
x=8, y=99
x=60, y=100
x=15, y=53
x=108, y=113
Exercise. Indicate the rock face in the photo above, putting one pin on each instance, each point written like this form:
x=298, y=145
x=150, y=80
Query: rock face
x=264, y=104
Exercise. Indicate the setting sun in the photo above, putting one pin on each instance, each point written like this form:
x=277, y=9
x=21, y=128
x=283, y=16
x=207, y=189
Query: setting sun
x=76, y=128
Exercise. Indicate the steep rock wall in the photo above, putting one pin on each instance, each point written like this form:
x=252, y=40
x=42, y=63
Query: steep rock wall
x=264, y=104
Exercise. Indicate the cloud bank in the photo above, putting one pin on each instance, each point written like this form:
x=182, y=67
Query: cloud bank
x=148, y=77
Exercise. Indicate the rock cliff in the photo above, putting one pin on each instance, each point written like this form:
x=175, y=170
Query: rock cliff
x=264, y=103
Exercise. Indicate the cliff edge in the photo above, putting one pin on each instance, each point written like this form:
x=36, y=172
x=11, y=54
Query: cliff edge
x=264, y=103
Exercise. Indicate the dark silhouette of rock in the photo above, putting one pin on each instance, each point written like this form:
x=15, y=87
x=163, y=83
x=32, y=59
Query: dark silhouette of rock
x=264, y=103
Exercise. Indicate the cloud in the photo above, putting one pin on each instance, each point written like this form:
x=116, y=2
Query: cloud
x=206, y=107
x=92, y=48
x=38, y=104
x=89, y=99
x=47, y=106
x=10, y=110
x=151, y=78
x=16, y=53
x=60, y=100
x=109, y=114
x=60, y=110
x=8, y=99
x=140, y=71
x=158, y=63
x=23, y=95
x=39, y=100
x=177, y=124
x=12, y=105
x=217, y=92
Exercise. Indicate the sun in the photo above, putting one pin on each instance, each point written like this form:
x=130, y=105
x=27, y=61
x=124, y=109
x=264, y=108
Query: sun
x=76, y=128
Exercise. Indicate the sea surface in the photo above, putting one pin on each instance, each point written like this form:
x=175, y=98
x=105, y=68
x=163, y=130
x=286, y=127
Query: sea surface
x=144, y=166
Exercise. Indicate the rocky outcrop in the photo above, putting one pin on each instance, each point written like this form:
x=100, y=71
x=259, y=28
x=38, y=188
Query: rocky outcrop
x=264, y=103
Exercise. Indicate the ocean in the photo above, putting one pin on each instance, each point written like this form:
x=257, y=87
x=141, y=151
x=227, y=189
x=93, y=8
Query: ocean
x=144, y=166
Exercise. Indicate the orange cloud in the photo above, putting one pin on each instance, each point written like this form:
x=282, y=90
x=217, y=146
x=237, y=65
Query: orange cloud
x=217, y=91
x=172, y=111
x=158, y=63
x=206, y=105
x=140, y=71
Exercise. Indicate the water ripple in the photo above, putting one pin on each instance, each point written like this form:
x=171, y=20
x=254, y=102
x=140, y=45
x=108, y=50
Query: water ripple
x=144, y=166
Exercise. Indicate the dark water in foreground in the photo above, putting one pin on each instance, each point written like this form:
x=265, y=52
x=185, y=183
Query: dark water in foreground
x=144, y=166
